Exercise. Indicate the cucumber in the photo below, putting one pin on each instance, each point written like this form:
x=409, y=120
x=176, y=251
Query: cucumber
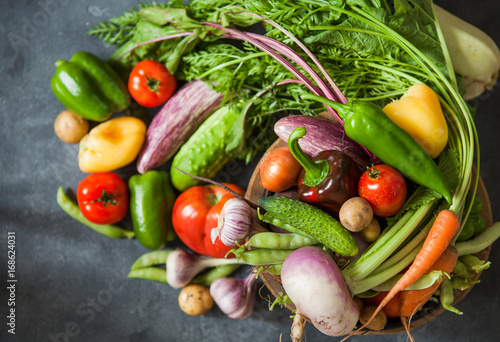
x=205, y=152
x=297, y=216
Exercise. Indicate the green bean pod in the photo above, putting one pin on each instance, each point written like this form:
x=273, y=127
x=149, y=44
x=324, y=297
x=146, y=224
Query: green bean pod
x=262, y=257
x=446, y=297
x=72, y=209
x=151, y=259
x=271, y=240
x=215, y=273
x=149, y=273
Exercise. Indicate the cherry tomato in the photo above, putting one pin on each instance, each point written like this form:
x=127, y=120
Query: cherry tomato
x=151, y=84
x=103, y=197
x=196, y=211
x=279, y=170
x=384, y=188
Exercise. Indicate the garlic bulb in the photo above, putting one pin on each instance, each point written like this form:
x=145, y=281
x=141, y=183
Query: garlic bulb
x=235, y=223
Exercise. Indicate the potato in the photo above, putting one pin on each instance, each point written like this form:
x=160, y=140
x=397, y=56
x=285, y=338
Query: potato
x=70, y=127
x=359, y=303
x=356, y=214
x=371, y=232
x=195, y=300
x=378, y=322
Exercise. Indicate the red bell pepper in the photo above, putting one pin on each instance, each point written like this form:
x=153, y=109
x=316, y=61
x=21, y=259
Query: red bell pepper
x=196, y=211
x=327, y=180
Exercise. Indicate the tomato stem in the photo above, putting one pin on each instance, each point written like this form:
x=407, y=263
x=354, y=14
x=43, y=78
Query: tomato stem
x=372, y=172
x=152, y=83
x=106, y=198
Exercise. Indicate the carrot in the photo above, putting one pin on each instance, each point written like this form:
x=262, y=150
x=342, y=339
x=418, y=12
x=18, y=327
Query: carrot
x=412, y=300
x=391, y=309
x=442, y=231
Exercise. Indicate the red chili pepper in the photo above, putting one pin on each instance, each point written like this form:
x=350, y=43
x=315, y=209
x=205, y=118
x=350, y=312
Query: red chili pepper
x=329, y=179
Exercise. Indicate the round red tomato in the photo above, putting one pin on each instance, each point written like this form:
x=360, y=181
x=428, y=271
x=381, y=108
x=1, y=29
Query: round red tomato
x=103, y=198
x=384, y=188
x=196, y=211
x=151, y=84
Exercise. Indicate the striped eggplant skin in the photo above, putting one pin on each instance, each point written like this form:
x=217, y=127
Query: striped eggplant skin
x=175, y=122
x=322, y=134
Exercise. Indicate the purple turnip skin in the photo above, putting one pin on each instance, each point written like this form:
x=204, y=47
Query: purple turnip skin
x=322, y=135
x=175, y=122
x=313, y=282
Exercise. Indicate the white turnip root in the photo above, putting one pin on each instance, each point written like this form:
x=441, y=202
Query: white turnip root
x=315, y=285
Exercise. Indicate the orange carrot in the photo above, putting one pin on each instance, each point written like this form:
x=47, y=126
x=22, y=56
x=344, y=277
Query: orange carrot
x=412, y=300
x=391, y=309
x=442, y=231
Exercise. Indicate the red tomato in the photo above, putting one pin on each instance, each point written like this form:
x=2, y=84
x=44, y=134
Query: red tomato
x=196, y=211
x=151, y=84
x=103, y=198
x=384, y=188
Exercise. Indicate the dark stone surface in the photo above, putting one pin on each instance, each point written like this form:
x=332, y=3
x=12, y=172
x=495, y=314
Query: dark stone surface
x=72, y=283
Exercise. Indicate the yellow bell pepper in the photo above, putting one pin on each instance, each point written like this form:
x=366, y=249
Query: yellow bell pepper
x=111, y=145
x=419, y=113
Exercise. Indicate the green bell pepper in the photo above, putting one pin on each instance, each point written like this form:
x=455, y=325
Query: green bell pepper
x=152, y=198
x=89, y=87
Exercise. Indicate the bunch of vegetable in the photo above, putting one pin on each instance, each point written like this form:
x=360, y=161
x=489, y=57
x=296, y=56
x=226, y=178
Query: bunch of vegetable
x=381, y=203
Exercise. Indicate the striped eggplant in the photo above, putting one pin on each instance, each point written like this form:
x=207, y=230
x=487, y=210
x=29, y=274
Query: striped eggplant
x=175, y=123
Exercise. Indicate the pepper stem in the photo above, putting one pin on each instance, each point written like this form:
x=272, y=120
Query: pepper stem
x=344, y=110
x=316, y=171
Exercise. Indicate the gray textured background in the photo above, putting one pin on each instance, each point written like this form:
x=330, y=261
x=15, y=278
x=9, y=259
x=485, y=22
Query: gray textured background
x=72, y=283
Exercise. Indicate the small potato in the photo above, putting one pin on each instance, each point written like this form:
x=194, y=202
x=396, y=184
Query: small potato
x=356, y=214
x=371, y=232
x=70, y=127
x=359, y=303
x=195, y=300
x=378, y=322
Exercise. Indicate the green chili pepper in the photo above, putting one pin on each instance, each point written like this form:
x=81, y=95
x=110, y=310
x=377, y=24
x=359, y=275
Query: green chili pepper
x=72, y=209
x=368, y=125
x=89, y=87
x=151, y=201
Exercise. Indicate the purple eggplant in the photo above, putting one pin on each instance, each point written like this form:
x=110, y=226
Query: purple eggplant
x=175, y=123
x=322, y=135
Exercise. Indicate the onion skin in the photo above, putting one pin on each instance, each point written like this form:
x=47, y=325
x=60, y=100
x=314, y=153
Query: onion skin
x=279, y=170
x=314, y=283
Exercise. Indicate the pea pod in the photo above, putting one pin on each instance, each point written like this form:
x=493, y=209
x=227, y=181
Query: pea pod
x=273, y=240
x=305, y=219
x=151, y=201
x=368, y=125
x=89, y=87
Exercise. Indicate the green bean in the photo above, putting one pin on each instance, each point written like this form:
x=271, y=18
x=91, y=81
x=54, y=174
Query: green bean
x=215, y=273
x=446, y=297
x=272, y=240
x=149, y=273
x=479, y=242
x=72, y=210
x=151, y=259
x=262, y=257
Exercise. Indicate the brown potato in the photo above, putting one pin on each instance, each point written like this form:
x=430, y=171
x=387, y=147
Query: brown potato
x=377, y=323
x=70, y=127
x=356, y=214
x=195, y=300
x=371, y=232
